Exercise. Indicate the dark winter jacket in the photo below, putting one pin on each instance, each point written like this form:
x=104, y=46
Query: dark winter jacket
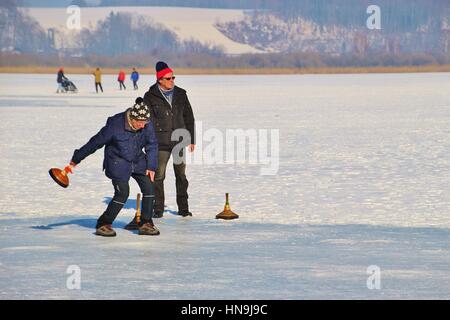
x=166, y=118
x=123, y=148
x=60, y=77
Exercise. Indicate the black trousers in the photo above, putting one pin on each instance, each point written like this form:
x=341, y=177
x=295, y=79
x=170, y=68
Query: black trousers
x=122, y=84
x=121, y=193
x=98, y=84
x=135, y=85
x=181, y=183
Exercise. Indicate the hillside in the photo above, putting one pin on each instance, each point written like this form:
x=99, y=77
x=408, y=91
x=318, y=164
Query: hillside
x=329, y=27
x=270, y=32
x=186, y=23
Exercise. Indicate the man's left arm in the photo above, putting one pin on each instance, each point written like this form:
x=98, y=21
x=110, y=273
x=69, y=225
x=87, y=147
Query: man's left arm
x=189, y=122
x=151, y=149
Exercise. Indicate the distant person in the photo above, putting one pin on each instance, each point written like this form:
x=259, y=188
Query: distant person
x=131, y=151
x=98, y=79
x=60, y=79
x=135, y=78
x=121, y=79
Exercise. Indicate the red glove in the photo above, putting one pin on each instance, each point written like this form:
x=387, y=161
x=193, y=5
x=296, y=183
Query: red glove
x=69, y=167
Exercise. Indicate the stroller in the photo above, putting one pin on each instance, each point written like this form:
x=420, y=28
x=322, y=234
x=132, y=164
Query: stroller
x=69, y=86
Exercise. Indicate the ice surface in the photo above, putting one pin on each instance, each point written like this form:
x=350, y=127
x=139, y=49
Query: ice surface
x=362, y=180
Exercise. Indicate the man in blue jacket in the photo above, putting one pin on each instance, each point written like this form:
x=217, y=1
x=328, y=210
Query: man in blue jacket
x=135, y=78
x=124, y=136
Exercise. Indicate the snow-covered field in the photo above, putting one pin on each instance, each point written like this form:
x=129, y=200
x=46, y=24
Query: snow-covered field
x=364, y=163
x=186, y=23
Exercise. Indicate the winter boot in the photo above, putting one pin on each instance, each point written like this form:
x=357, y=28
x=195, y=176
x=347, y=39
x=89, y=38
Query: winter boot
x=105, y=231
x=148, y=229
x=185, y=213
x=158, y=214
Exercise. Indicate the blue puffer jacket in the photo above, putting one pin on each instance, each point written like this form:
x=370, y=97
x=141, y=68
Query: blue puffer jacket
x=123, y=148
x=135, y=76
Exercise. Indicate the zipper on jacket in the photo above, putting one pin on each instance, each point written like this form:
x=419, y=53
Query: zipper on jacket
x=135, y=150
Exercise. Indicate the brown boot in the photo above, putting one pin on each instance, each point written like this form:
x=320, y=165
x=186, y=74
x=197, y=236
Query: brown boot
x=105, y=231
x=148, y=229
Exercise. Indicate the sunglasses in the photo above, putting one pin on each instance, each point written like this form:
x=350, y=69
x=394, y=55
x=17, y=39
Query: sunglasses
x=170, y=78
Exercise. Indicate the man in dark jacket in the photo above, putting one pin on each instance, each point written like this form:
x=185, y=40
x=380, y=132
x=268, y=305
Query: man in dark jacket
x=124, y=136
x=170, y=110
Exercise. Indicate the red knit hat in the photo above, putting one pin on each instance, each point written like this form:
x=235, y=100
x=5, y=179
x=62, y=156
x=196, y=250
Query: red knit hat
x=162, y=69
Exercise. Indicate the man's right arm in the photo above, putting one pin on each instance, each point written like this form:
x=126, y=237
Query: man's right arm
x=96, y=142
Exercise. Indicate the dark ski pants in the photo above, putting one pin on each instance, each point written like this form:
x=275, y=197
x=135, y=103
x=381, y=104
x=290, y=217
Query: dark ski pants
x=98, y=84
x=135, y=85
x=181, y=183
x=122, y=84
x=121, y=193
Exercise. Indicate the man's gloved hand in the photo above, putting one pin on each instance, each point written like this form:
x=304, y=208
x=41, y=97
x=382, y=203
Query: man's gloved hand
x=70, y=167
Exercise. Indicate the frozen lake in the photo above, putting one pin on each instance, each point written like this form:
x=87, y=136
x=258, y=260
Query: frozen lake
x=362, y=179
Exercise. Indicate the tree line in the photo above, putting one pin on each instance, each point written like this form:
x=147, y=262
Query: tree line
x=245, y=61
x=122, y=34
x=18, y=30
x=117, y=35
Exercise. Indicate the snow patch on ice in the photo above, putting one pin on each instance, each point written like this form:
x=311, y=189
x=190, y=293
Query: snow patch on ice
x=29, y=248
x=339, y=241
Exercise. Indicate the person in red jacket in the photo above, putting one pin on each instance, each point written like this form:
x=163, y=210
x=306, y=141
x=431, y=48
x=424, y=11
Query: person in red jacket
x=121, y=79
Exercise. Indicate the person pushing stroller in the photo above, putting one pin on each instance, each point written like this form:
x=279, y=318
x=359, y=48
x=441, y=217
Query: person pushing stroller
x=64, y=84
x=60, y=78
